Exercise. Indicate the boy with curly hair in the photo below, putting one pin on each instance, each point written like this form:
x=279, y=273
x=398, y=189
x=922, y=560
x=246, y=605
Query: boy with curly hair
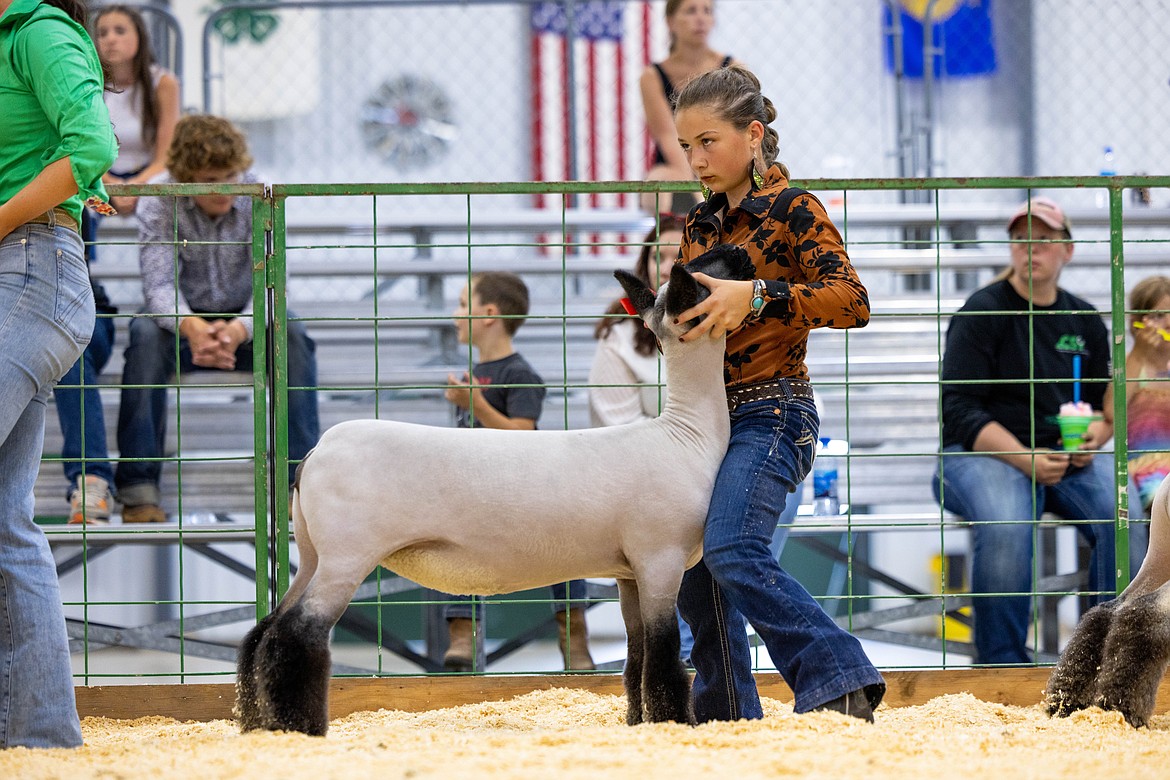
x=195, y=256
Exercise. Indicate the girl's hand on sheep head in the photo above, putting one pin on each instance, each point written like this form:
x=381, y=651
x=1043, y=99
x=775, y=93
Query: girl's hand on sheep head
x=726, y=308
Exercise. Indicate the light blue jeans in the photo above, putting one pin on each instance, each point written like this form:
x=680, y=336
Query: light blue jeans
x=46, y=319
x=152, y=360
x=772, y=445
x=1003, y=507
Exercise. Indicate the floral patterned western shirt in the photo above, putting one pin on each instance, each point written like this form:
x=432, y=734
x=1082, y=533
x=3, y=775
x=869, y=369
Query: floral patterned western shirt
x=809, y=280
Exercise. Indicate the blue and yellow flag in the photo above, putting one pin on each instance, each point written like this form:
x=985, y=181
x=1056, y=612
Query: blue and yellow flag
x=961, y=33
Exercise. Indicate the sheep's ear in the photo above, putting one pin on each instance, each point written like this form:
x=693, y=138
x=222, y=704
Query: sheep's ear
x=683, y=291
x=724, y=261
x=637, y=291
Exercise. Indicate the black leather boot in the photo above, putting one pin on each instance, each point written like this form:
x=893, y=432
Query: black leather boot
x=859, y=703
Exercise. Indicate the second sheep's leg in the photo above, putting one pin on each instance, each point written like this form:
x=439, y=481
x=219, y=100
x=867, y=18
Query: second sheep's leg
x=1073, y=683
x=1136, y=653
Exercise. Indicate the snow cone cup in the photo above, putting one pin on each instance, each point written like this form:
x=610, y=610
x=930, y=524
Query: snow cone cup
x=1072, y=430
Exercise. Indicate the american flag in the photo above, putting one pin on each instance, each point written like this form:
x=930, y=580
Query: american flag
x=611, y=46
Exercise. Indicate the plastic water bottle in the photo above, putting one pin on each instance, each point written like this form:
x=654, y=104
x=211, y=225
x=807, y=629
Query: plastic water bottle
x=825, y=498
x=201, y=517
x=1108, y=168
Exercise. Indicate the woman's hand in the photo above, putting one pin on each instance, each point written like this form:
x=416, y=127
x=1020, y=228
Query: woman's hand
x=726, y=308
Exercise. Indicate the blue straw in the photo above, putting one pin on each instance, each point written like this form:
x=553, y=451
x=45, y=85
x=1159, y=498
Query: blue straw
x=1076, y=379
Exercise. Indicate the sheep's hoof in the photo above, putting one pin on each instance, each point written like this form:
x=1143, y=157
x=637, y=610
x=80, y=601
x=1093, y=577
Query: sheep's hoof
x=1135, y=657
x=667, y=696
x=1072, y=685
x=670, y=710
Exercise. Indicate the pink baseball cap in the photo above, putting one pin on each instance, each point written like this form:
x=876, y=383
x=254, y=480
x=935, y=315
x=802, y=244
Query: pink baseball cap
x=1044, y=209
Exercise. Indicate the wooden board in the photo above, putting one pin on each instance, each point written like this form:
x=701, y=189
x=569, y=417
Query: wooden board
x=1018, y=686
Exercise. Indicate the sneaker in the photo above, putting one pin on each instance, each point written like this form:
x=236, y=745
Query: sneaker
x=143, y=513
x=90, y=501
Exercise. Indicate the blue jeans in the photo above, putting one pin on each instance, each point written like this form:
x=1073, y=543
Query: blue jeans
x=470, y=606
x=779, y=536
x=46, y=319
x=83, y=424
x=771, y=450
x=142, y=415
x=1003, y=507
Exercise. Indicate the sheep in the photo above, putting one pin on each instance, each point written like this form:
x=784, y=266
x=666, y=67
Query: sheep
x=1119, y=652
x=492, y=511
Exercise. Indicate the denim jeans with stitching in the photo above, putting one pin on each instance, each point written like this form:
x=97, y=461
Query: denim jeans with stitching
x=79, y=412
x=779, y=537
x=142, y=414
x=771, y=450
x=46, y=319
x=1003, y=507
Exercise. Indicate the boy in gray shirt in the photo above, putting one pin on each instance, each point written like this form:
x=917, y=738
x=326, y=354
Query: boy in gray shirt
x=503, y=391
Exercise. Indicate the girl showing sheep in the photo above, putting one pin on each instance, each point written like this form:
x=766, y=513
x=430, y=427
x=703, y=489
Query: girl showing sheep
x=511, y=510
x=803, y=280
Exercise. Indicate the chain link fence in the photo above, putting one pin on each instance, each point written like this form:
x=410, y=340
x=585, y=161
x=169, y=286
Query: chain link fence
x=488, y=91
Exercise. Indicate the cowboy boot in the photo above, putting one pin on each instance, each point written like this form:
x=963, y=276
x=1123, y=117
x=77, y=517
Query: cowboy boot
x=460, y=656
x=574, y=639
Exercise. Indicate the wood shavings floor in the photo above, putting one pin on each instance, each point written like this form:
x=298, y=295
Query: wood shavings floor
x=571, y=734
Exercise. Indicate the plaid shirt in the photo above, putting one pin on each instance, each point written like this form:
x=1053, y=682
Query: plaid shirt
x=799, y=255
x=214, y=275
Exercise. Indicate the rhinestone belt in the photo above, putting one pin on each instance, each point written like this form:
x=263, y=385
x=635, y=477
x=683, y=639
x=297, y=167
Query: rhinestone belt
x=769, y=388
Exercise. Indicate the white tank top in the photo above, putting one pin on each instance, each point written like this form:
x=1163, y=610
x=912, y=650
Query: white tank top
x=126, y=115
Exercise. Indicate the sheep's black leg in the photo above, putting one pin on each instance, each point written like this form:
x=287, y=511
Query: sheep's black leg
x=1137, y=652
x=635, y=649
x=1073, y=683
x=292, y=673
x=247, y=709
x=666, y=684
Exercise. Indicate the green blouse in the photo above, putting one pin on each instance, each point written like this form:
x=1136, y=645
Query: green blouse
x=51, y=102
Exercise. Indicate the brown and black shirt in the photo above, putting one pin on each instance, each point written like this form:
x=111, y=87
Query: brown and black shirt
x=799, y=254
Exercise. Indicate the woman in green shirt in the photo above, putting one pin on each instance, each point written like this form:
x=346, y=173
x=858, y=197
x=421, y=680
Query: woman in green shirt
x=57, y=144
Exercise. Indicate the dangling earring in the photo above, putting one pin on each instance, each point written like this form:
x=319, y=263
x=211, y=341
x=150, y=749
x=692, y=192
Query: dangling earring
x=703, y=188
x=757, y=177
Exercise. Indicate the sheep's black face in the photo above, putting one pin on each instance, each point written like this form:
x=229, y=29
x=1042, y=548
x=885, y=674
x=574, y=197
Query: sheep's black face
x=681, y=292
x=678, y=294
